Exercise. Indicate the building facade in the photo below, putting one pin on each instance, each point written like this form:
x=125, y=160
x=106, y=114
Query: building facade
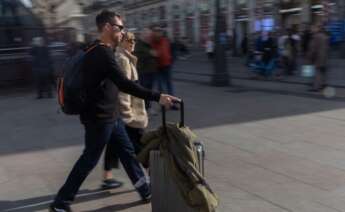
x=195, y=19
x=191, y=19
x=70, y=14
x=61, y=18
x=46, y=10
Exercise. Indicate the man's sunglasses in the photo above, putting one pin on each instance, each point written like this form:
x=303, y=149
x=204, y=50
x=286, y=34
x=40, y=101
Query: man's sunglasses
x=121, y=27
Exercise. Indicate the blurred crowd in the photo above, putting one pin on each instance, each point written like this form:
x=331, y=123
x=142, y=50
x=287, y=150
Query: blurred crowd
x=274, y=54
x=285, y=53
x=156, y=55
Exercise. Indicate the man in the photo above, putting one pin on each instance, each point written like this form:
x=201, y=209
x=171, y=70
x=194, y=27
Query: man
x=318, y=56
x=102, y=81
x=290, y=52
x=269, y=54
x=42, y=67
x=306, y=38
x=244, y=45
x=161, y=45
x=147, y=62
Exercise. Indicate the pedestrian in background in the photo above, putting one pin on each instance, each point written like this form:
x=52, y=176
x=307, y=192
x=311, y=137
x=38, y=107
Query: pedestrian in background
x=306, y=39
x=267, y=64
x=147, y=65
x=210, y=48
x=282, y=36
x=42, y=68
x=162, y=47
x=318, y=56
x=290, y=52
x=244, y=45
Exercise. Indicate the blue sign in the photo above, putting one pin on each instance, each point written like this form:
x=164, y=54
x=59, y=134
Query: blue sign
x=336, y=29
x=266, y=25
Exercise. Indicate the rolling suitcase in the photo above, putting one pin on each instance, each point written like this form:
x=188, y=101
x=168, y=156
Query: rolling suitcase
x=165, y=194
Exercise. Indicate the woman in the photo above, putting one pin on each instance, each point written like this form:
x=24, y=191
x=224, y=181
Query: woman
x=132, y=109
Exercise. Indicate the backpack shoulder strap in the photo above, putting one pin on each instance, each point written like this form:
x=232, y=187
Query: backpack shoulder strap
x=94, y=46
x=91, y=48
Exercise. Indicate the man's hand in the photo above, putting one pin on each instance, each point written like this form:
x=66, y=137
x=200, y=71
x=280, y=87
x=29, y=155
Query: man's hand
x=168, y=101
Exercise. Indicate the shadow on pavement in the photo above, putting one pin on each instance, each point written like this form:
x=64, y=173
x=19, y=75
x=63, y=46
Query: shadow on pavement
x=29, y=125
x=242, y=104
x=41, y=203
x=118, y=207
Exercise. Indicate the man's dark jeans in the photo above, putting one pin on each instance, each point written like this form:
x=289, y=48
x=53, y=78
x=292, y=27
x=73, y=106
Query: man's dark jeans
x=165, y=80
x=97, y=135
x=110, y=156
x=148, y=80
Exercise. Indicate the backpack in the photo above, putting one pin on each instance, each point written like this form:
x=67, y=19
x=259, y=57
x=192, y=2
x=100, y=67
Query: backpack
x=71, y=96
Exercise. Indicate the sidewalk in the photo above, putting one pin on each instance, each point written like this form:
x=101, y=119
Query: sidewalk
x=266, y=151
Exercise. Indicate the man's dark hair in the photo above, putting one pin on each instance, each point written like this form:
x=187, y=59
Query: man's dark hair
x=104, y=17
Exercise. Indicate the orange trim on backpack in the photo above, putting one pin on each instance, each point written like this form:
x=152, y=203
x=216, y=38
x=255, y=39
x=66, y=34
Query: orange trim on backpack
x=60, y=84
x=89, y=49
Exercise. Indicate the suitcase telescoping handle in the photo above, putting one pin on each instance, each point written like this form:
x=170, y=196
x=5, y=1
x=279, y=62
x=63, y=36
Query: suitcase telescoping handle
x=181, y=114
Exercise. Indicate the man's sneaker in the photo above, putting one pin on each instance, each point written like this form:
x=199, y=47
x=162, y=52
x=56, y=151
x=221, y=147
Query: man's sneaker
x=54, y=207
x=111, y=184
x=145, y=193
x=146, y=198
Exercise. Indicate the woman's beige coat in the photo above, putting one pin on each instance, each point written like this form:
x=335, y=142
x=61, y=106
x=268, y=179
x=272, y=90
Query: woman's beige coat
x=132, y=109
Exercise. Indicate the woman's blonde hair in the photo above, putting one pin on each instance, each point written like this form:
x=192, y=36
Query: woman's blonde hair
x=128, y=36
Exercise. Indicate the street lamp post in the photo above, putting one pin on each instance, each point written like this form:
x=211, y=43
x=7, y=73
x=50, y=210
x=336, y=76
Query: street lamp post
x=342, y=17
x=220, y=75
x=234, y=26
